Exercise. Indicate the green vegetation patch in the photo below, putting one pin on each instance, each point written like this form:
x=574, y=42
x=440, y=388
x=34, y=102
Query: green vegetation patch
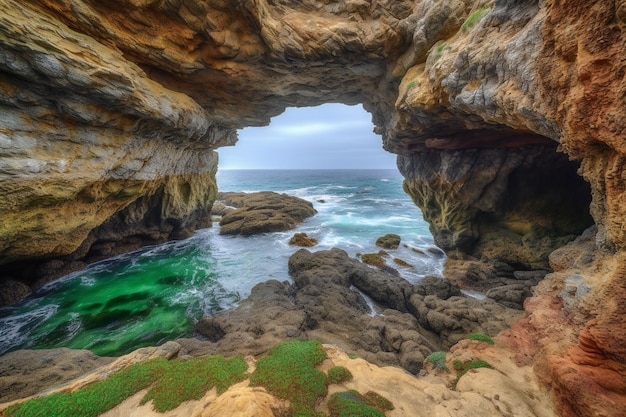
x=475, y=17
x=463, y=368
x=351, y=404
x=190, y=380
x=288, y=371
x=339, y=374
x=480, y=337
x=376, y=400
x=438, y=359
x=183, y=379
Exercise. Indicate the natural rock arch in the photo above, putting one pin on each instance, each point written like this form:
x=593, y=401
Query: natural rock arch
x=111, y=112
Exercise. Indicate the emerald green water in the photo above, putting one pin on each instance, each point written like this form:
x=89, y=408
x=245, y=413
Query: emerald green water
x=157, y=294
x=137, y=300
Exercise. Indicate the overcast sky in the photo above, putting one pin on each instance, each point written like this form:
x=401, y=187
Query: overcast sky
x=324, y=137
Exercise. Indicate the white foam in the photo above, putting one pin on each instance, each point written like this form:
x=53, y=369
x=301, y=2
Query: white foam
x=17, y=328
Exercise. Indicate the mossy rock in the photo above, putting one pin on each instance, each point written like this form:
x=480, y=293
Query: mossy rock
x=352, y=403
x=389, y=241
x=303, y=240
x=438, y=359
x=374, y=259
x=170, y=383
x=402, y=263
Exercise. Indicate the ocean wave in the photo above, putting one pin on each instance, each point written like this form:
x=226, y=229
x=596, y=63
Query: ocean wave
x=14, y=330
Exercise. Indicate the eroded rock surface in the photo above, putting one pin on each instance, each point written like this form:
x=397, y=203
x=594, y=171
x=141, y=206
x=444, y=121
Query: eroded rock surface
x=262, y=212
x=110, y=122
x=484, y=391
x=26, y=372
x=326, y=302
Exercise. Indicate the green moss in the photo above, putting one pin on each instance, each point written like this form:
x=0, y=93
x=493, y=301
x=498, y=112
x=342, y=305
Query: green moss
x=463, y=368
x=353, y=356
x=171, y=376
x=410, y=85
x=480, y=337
x=338, y=374
x=440, y=48
x=438, y=359
x=190, y=380
x=288, y=371
x=376, y=400
x=351, y=404
x=475, y=17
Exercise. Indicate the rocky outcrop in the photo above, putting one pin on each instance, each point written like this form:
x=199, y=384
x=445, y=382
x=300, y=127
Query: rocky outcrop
x=303, y=240
x=110, y=122
x=327, y=302
x=489, y=391
x=262, y=212
x=26, y=372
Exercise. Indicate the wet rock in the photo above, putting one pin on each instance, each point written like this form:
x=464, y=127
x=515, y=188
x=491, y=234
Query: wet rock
x=301, y=239
x=439, y=286
x=389, y=241
x=452, y=319
x=262, y=212
x=12, y=291
x=326, y=302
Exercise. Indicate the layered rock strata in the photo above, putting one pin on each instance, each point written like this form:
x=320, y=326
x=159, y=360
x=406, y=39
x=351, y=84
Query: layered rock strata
x=111, y=112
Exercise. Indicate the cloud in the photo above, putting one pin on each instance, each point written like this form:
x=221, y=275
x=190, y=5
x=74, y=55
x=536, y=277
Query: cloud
x=323, y=137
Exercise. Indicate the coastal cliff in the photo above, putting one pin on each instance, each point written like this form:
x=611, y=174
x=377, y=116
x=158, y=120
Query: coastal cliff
x=507, y=118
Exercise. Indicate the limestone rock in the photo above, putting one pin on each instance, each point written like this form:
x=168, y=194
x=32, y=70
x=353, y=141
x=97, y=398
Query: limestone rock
x=262, y=212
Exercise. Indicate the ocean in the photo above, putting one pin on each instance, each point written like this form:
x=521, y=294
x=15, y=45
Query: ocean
x=156, y=294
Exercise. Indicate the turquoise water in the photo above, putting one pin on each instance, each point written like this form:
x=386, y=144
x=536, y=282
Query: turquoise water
x=156, y=294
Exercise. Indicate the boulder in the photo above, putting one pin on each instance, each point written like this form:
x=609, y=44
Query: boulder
x=262, y=212
x=389, y=241
x=301, y=239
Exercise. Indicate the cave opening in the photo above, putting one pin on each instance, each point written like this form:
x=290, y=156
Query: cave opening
x=329, y=155
x=499, y=212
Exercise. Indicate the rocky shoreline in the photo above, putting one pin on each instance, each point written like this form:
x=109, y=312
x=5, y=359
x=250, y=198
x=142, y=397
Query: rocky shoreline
x=333, y=298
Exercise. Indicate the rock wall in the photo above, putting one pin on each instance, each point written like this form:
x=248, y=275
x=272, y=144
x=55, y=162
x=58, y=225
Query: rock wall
x=111, y=111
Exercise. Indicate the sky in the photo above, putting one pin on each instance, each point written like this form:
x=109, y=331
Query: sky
x=330, y=136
